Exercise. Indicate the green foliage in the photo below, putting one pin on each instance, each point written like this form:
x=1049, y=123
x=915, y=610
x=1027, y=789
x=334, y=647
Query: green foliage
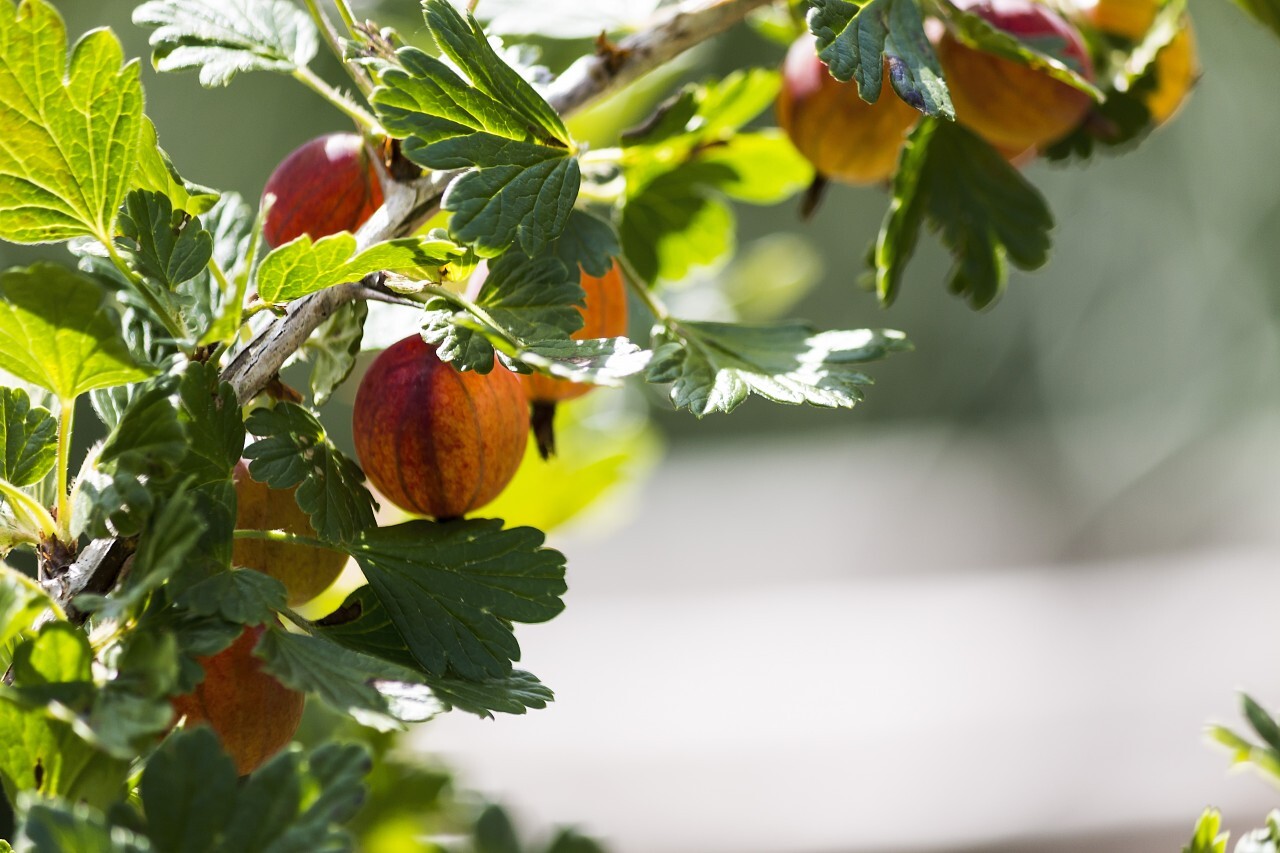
x=588, y=242
x=300, y=266
x=495, y=833
x=58, y=331
x=72, y=129
x=453, y=589
x=165, y=245
x=1206, y=837
x=296, y=801
x=523, y=176
x=374, y=692
x=982, y=208
x=157, y=173
x=714, y=367
x=522, y=301
x=364, y=625
x=293, y=450
x=683, y=164
x=333, y=348
x=243, y=596
x=28, y=439
x=221, y=38
x=855, y=41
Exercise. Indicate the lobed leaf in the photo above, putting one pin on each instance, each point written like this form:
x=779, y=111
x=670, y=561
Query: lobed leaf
x=373, y=633
x=242, y=596
x=984, y=210
x=855, y=42
x=523, y=178
x=221, y=38
x=28, y=439
x=166, y=245
x=452, y=590
x=714, y=367
x=300, y=266
x=293, y=450
x=374, y=692
x=71, y=128
x=58, y=331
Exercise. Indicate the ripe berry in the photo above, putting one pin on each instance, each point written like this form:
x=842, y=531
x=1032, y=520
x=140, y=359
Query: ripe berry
x=325, y=186
x=434, y=440
x=1012, y=106
x=604, y=316
x=844, y=137
x=253, y=715
x=305, y=571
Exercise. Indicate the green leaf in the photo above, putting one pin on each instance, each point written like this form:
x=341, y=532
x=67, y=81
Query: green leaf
x=28, y=439
x=149, y=437
x=522, y=299
x=494, y=832
x=210, y=416
x=762, y=168
x=854, y=41
x=598, y=361
x=588, y=242
x=1261, y=722
x=293, y=450
x=72, y=130
x=58, y=654
x=292, y=803
x=44, y=755
x=713, y=111
x=371, y=632
x=1206, y=837
x=243, y=596
x=22, y=600
x=156, y=173
x=58, y=331
x=975, y=32
x=675, y=223
x=222, y=38
x=300, y=266
x=188, y=789
x=333, y=347
x=453, y=589
x=569, y=841
x=374, y=692
x=231, y=222
x=714, y=367
x=168, y=246
x=56, y=826
x=524, y=177
x=984, y=210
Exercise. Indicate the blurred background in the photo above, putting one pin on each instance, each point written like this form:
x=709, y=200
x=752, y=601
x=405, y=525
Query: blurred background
x=990, y=609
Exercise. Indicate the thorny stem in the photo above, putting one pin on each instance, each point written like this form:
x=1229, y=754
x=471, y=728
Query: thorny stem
x=357, y=74
x=408, y=205
x=325, y=28
x=348, y=19
x=350, y=108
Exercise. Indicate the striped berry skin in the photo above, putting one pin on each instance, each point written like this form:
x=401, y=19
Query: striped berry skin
x=324, y=186
x=433, y=440
x=253, y=715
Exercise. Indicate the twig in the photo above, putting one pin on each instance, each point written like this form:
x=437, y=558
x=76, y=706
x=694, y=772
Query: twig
x=405, y=208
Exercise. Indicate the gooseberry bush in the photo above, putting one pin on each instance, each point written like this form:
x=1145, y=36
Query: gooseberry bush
x=156, y=666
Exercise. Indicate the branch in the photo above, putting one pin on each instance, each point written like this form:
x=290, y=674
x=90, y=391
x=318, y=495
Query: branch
x=405, y=208
x=408, y=205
